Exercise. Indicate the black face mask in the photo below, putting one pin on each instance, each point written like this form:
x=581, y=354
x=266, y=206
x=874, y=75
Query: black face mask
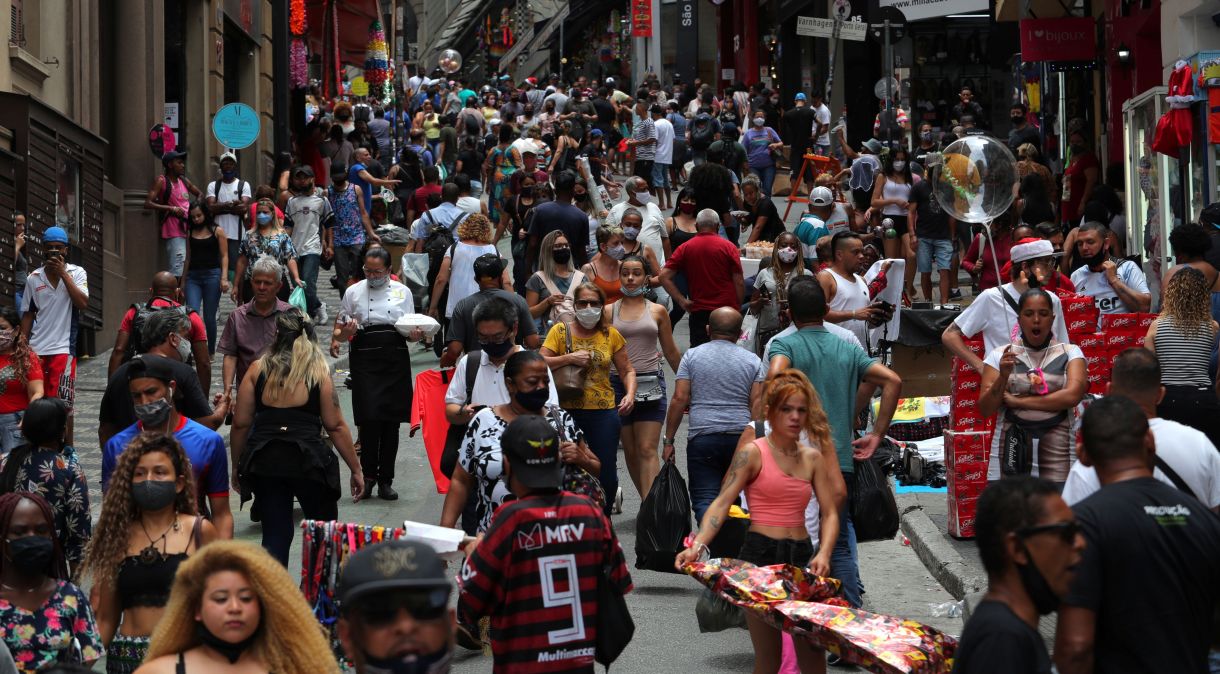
x=1018, y=120
x=1040, y=592
x=533, y=400
x=580, y=196
x=231, y=651
x=498, y=349
x=562, y=255
x=1095, y=260
x=427, y=663
x=31, y=555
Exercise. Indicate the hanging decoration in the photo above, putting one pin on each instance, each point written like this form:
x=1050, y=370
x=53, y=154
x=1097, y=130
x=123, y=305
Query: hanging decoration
x=298, y=53
x=1174, y=130
x=376, y=61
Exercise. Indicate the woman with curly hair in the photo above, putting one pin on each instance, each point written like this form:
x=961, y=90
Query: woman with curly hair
x=1183, y=338
x=455, y=280
x=20, y=378
x=285, y=401
x=780, y=473
x=235, y=609
x=148, y=526
x=43, y=618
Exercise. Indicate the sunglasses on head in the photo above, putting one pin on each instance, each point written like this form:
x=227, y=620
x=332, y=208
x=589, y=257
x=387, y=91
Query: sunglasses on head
x=1066, y=531
x=382, y=609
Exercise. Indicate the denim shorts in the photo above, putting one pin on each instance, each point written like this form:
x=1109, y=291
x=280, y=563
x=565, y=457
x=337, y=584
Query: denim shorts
x=764, y=550
x=653, y=410
x=938, y=250
x=660, y=175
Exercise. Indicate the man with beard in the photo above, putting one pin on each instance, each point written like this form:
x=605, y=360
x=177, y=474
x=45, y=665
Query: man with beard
x=1145, y=591
x=1030, y=543
x=1119, y=286
x=396, y=615
x=994, y=312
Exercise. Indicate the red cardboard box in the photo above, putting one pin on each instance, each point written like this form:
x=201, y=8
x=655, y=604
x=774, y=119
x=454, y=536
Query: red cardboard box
x=1095, y=340
x=962, y=369
x=1099, y=389
x=976, y=346
x=1145, y=321
x=1080, y=324
x=1125, y=322
x=961, y=516
x=1097, y=359
x=967, y=387
x=967, y=479
x=967, y=447
x=1077, y=304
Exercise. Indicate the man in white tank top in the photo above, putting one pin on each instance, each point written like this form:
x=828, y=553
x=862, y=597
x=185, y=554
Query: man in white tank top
x=846, y=291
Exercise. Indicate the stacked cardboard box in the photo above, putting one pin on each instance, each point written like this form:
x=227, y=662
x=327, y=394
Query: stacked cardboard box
x=1115, y=334
x=966, y=455
x=967, y=385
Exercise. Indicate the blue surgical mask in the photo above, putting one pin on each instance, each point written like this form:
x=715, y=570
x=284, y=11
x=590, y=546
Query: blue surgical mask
x=631, y=233
x=264, y=218
x=617, y=252
x=228, y=175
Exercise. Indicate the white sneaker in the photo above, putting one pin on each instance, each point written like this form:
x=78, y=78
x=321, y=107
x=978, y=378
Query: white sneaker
x=321, y=316
x=618, y=501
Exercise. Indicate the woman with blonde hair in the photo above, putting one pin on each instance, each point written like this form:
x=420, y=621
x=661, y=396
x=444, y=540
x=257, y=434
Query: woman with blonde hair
x=455, y=280
x=233, y=608
x=780, y=474
x=288, y=397
x=268, y=237
x=148, y=526
x=1183, y=338
x=549, y=291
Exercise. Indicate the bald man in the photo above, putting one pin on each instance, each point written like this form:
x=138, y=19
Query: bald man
x=723, y=384
x=162, y=294
x=712, y=267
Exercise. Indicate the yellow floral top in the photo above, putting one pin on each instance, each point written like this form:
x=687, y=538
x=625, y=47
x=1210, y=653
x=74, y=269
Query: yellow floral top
x=599, y=395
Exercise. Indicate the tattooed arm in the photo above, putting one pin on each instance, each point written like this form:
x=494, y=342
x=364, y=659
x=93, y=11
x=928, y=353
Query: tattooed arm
x=745, y=467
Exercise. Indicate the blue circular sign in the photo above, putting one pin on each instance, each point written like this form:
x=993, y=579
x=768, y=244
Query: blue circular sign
x=236, y=126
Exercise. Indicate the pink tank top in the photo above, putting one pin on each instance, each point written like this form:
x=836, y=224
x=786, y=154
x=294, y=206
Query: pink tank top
x=776, y=499
x=173, y=227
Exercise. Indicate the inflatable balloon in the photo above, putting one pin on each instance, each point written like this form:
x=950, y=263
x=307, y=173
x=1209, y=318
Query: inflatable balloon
x=976, y=179
x=450, y=61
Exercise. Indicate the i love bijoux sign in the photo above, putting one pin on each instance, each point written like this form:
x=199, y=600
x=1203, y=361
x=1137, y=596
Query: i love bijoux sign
x=1071, y=39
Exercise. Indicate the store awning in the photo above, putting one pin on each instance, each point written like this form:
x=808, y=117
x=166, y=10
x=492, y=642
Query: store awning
x=1009, y=10
x=353, y=19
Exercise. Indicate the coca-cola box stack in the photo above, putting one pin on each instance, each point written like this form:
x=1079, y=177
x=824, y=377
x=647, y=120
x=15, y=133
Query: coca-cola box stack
x=966, y=454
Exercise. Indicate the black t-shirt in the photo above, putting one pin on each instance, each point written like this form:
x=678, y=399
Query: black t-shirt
x=1149, y=573
x=605, y=114
x=996, y=641
x=931, y=222
x=462, y=328
x=117, y=408
x=798, y=126
x=920, y=155
x=713, y=187
x=774, y=226
x=1037, y=210
x=595, y=155
x=567, y=218
x=472, y=164
x=1019, y=137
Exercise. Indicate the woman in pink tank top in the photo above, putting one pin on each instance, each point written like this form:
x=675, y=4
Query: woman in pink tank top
x=779, y=475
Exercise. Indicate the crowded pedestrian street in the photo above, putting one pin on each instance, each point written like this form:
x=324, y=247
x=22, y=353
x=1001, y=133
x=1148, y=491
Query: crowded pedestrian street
x=513, y=336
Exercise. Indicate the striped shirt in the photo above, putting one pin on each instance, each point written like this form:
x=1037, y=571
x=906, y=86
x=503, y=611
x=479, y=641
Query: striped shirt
x=645, y=129
x=522, y=575
x=1184, y=360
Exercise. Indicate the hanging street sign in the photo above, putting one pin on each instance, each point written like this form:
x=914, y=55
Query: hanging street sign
x=815, y=27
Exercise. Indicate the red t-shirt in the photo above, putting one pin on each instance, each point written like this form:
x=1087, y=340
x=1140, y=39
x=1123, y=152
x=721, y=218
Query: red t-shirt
x=428, y=413
x=13, y=395
x=710, y=263
x=419, y=200
x=198, y=332
x=1074, y=180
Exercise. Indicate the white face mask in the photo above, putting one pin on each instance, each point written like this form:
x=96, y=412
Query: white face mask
x=588, y=317
x=787, y=255
x=643, y=197
x=899, y=165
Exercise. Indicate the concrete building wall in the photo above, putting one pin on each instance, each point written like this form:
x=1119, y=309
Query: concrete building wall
x=1187, y=27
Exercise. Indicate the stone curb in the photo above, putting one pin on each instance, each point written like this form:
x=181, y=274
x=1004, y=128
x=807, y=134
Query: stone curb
x=940, y=558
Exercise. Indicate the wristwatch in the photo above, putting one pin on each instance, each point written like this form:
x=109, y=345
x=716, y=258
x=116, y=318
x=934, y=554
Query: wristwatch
x=667, y=442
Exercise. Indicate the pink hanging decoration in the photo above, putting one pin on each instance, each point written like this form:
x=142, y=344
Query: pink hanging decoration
x=299, y=64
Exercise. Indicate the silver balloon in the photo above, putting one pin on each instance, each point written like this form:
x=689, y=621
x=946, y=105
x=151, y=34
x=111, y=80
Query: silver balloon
x=976, y=179
x=450, y=61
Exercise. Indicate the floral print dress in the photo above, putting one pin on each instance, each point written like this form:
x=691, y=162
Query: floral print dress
x=62, y=629
x=277, y=245
x=58, y=477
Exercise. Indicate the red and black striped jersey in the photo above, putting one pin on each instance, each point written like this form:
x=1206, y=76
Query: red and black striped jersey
x=535, y=573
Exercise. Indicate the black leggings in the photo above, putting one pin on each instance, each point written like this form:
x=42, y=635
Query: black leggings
x=378, y=451
x=275, y=498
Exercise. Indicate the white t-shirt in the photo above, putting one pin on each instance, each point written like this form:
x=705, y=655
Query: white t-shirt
x=1187, y=451
x=225, y=193
x=851, y=294
x=837, y=220
x=52, y=331
x=991, y=315
x=842, y=333
x=821, y=115
x=652, y=231
x=665, y=141
x=377, y=306
x=1095, y=285
x=308, y=214
x=461, y=272
x=489, y=388
x=471, y=205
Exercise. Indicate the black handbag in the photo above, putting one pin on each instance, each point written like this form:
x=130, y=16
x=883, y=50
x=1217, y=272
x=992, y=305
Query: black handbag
x=1017, y=442
x=457, y=432
x=615, y=628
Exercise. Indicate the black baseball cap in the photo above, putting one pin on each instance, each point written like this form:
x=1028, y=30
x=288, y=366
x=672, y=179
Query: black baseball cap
x=148, y=365
x=488, y=265
x=532, y=448
x=303, y=169
x=394, y=565
x=172, y=155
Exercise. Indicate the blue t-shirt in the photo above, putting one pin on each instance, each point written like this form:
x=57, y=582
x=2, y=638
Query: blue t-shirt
x=353, y=177
x=835, y=367
x=757, y=142
x=203, y=446
x=809, y=230
x=721, y=375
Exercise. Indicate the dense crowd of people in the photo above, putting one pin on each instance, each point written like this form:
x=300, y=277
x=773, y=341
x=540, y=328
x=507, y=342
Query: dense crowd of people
x=620, y=214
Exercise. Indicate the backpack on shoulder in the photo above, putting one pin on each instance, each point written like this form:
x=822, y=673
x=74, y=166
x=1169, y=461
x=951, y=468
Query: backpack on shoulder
x=144, y=311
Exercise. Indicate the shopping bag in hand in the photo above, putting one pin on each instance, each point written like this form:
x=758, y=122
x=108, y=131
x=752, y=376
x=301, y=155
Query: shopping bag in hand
x=663, y=522
x=874, y=513
x=297, y=299
x=749, y=330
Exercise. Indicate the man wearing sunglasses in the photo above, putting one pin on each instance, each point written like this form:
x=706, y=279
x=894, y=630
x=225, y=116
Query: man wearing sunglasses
x=394, y=610
x=1029, y=543
x=1145, y=592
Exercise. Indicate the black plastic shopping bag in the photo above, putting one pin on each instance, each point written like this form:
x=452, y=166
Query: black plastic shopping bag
x=664, y=521
x=874, y=512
